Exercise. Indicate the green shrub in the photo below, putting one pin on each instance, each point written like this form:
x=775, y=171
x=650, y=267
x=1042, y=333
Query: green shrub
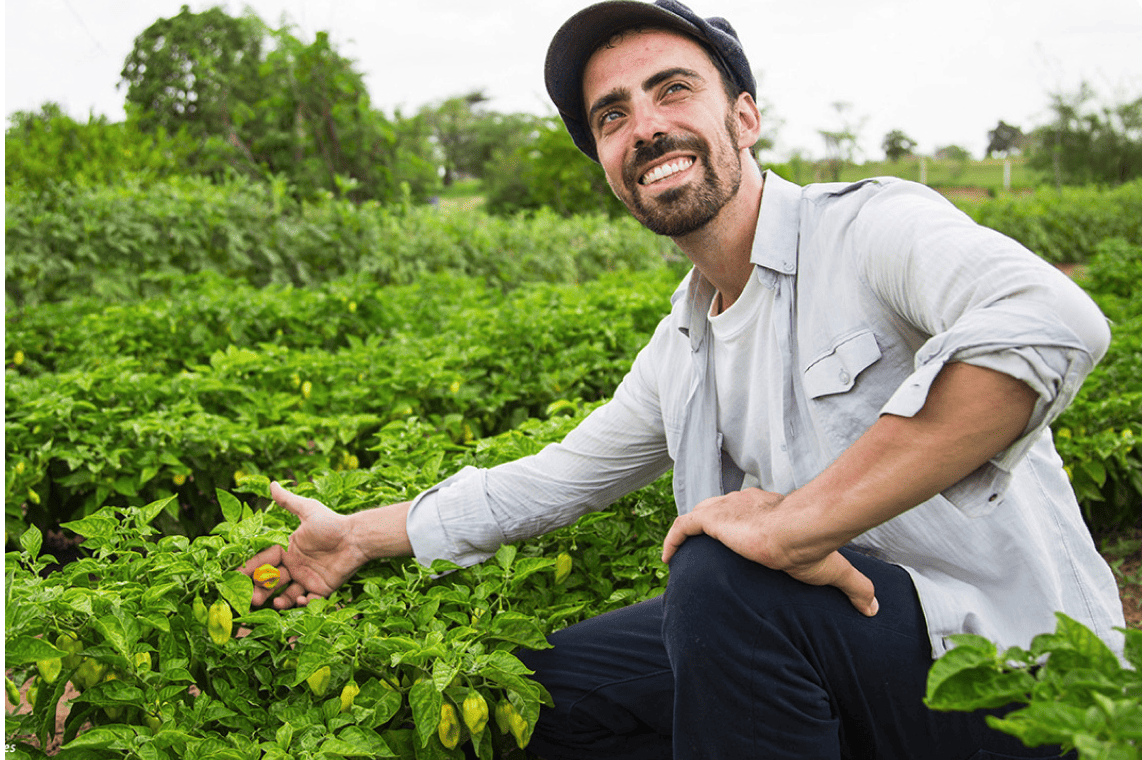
x=128, y=241
x=136, y=401
x=1070, y=689
x=1065, y=226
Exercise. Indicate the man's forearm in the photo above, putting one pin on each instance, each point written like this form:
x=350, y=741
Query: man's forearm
x=971, y=414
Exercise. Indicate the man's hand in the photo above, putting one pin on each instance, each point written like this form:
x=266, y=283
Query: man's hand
x=750, y=523
x=321, y=555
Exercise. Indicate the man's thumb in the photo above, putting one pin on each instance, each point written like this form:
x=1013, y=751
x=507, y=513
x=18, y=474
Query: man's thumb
x=300, y=506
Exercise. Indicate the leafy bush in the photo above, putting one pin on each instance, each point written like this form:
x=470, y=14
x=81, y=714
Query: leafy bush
x=123, y=242
x=410, y=640
x=1065, y=225
x=1069, y=689
x=137, y=401
x=1100, y=435
x=45, y=148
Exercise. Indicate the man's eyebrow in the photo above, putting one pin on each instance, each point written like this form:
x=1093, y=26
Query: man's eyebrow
x=620, y=94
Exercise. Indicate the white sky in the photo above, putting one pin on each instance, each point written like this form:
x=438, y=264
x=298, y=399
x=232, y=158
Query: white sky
x=943, y=73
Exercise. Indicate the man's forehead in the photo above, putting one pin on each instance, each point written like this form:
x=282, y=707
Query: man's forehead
x=662, y=47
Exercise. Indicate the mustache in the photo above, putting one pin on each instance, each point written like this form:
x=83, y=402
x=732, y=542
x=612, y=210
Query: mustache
x=646, y=154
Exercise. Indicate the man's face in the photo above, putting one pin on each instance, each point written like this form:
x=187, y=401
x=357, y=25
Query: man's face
x=665, y=134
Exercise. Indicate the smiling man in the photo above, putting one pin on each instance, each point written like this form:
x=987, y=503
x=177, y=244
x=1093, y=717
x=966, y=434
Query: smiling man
x=853, y=389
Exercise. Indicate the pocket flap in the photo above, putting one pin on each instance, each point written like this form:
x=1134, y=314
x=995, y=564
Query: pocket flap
x=836, y=371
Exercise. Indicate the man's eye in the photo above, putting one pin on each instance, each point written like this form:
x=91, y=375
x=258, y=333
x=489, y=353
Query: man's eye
x=676, y=87
x=609, y=116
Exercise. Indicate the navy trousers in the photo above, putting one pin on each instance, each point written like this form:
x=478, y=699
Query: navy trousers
x=737, y=661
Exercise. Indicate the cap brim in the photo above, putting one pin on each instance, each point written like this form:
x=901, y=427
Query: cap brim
x=578, y=38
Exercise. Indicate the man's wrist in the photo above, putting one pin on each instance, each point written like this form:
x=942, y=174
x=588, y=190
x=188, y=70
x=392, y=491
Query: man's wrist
x=380, y=533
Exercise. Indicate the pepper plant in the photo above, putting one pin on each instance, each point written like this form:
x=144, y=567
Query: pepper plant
x=367, y=672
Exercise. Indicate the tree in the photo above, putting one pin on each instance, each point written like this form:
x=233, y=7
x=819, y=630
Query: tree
x=1004, y=139
x=300, y=112
x=897, y=145
x=452, y=123
x=315, y=126
x=189, y=70
x=841, y=144
x=1089, y=144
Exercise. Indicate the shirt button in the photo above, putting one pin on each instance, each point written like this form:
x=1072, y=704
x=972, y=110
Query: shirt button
x=788, y=266
x=844, y=377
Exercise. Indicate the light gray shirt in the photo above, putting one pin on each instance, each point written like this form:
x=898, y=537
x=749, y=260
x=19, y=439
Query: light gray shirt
x=872, y=287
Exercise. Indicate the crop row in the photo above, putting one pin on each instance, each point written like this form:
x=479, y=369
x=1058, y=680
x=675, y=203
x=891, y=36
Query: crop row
x=366, y=673
x=131, y=403
x=121, y=242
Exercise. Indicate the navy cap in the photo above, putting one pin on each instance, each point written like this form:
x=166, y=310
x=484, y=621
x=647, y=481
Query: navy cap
x=591, y=27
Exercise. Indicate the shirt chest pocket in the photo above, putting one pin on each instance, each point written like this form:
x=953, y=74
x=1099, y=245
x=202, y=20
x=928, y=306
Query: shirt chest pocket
x=835, y=370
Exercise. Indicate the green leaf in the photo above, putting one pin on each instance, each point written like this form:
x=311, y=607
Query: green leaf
x=32, y=540
x=26, y=649
x=102, y=525
x=148, y=513
x=237, y=589
x=517, y=628
x=443, y=671
x=425, y=701
x=231, y=507
x=104, y=737
x=505, y=555
x=114, y=633
x=354, y=741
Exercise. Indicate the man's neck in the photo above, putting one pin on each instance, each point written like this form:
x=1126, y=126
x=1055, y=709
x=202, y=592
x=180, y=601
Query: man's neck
x=721, y=250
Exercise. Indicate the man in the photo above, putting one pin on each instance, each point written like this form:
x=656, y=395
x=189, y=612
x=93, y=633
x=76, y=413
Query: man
x=853, y=389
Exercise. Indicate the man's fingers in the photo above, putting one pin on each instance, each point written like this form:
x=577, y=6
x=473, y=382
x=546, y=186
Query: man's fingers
x=837, y=571
x=683, y=527
x=293, y=596
x=270, y=556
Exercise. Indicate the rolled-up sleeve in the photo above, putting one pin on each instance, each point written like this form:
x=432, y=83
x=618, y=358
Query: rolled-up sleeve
x=620, y=447
x=985, y=300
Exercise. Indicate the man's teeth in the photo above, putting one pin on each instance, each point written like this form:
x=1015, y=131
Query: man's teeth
x=666, y=170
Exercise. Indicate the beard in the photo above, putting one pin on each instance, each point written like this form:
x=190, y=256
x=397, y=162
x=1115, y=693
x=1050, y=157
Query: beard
x=690, y=207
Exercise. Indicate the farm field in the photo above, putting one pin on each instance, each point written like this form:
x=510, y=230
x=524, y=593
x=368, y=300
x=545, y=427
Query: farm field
x=362, y=354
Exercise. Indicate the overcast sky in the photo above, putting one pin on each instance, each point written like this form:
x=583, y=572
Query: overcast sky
x=944, y=73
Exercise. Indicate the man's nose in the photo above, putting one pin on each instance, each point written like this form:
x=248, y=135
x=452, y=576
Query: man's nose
x=649, y=127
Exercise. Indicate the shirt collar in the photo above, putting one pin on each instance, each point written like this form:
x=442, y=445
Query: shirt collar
x=778, y=226
x=774, y=248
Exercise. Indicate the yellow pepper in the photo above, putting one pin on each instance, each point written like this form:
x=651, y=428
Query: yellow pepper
x=319, y=680
x=475, y=712
x=220, y=622
x=73, y=646
x=89, y=673
x=200, y=612
x=518, y=726
x=143, y=662
x=504, y=711
x=13, y=691
x=562, y=567
x=50, y=669
x=348, y=694
x=449, y=727
x=267, y=576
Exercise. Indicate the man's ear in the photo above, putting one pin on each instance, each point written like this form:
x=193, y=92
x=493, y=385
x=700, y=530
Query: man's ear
x=748, y=119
